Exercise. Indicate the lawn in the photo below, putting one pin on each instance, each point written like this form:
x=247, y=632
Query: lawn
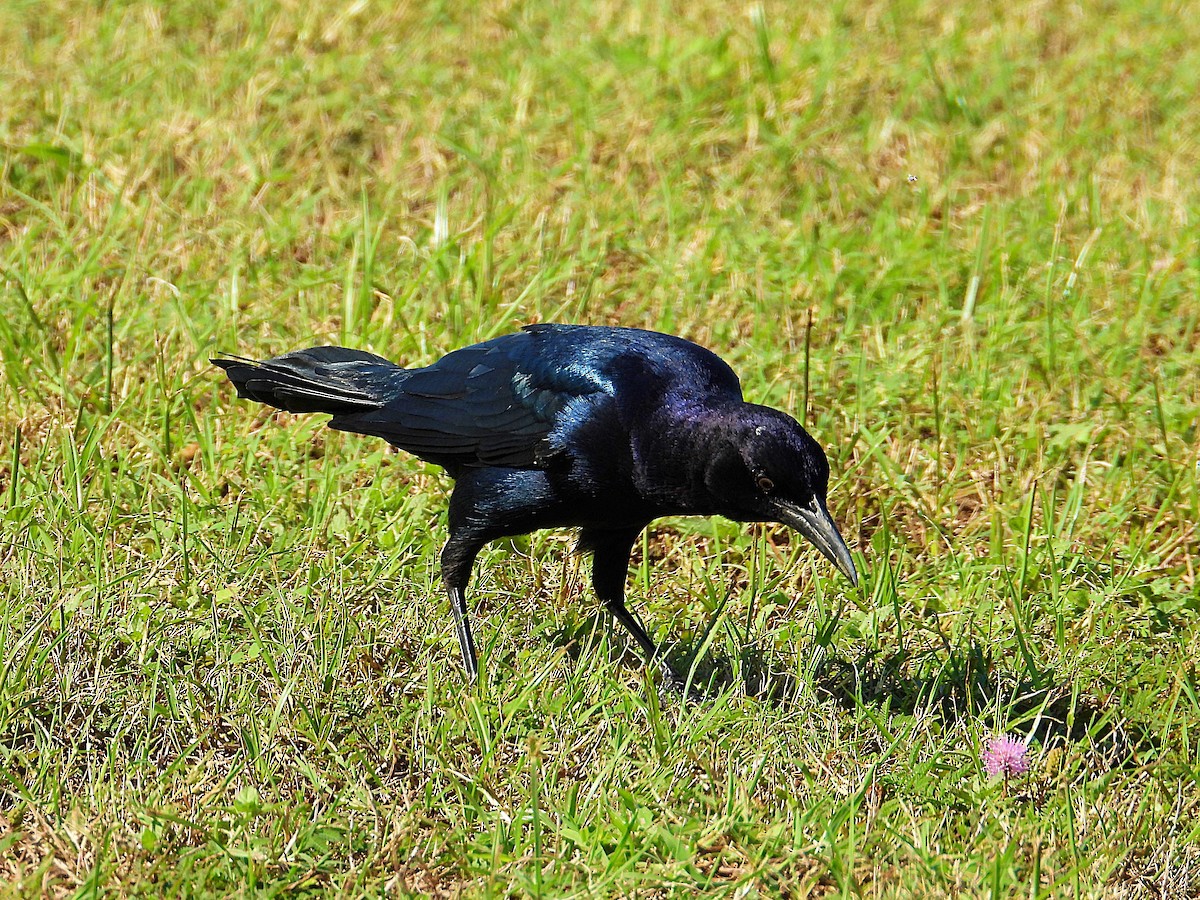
x=959, y=241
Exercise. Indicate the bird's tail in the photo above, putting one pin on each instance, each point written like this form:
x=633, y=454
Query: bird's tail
x=321, y=379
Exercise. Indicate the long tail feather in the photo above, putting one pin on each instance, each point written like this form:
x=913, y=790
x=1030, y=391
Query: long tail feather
x=332, y=380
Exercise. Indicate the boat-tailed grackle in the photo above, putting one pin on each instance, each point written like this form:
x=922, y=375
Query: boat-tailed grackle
x=595, y=428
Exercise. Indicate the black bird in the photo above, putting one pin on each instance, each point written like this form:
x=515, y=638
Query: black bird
x=600, y=429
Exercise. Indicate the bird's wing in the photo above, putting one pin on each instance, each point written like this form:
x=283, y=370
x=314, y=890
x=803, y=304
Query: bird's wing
x=491, y=404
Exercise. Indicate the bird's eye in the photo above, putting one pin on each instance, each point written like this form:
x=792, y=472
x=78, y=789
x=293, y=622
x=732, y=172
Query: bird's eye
x=765, y=484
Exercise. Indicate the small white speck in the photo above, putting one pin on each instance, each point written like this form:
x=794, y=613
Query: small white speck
x=912, y=179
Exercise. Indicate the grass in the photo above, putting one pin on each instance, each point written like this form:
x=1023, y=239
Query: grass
x=961, y=241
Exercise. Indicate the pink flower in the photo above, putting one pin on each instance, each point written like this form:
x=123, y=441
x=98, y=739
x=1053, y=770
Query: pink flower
x=1005, y=756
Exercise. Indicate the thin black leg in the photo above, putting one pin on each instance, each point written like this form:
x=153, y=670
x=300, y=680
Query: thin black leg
x=513, y=501
x=458, y=556
x=462, y=625
x=610, y=566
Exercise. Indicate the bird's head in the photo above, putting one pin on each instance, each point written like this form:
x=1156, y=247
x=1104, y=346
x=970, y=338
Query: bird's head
x=769, y=469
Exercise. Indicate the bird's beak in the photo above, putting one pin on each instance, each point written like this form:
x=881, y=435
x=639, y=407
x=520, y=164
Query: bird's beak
x=814, y=522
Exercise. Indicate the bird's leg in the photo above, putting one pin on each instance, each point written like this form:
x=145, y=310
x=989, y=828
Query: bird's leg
x=462, y=625
x=610, y=566
x=458, y=556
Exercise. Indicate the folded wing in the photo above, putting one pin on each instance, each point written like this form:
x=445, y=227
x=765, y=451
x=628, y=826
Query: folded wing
x=491, y=404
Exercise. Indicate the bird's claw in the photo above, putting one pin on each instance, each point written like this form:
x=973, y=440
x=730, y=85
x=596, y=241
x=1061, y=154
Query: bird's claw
x=677, y=686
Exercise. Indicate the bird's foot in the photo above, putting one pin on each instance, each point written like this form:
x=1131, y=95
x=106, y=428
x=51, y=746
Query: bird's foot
x=676, y=685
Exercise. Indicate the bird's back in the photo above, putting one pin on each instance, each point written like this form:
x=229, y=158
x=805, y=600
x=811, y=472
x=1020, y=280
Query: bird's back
x=513, y=401
x=618, y=360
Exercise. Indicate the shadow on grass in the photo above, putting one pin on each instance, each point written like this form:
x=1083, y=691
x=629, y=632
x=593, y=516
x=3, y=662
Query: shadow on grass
x=953, y=683
x=968, y=683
